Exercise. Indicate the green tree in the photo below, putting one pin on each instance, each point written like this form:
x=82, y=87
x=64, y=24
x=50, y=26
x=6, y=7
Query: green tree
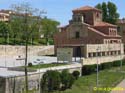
x=25, y=12
x=24, y=24
x=109, y=11
x=49, y=27
x=76, y=74
x=112, y=13
x=16, y=29
x=99, y=6
x=4, y=31
x=51, y=81
x=67, y=79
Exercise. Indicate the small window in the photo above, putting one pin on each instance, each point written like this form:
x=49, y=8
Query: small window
x=97, y=15
x=77, y=35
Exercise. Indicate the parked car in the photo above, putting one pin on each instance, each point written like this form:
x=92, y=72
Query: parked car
x=39, y=61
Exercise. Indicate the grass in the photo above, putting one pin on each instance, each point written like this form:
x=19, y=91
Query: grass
x=46, y=65
x=86, y=84
x=19, y=41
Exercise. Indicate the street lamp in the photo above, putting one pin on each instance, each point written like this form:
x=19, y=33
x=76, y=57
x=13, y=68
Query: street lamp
x=121, y=55
x=121, y=49
x=97, y=67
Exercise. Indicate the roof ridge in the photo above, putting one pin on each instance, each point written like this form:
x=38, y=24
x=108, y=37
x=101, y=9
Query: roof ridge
x=95, y=30
x=86, y=8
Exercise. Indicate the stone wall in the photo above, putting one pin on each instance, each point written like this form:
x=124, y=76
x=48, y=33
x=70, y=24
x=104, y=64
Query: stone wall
x=17, y=84
x=9, y=50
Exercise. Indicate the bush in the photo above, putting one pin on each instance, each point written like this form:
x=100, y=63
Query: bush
x=106, y=65
x=88, y=69
x=30, y=64
x=67, y=79
x=116, y=63
x=51, y=42
x=51, y=81
x=76, y=74
x=123, y=61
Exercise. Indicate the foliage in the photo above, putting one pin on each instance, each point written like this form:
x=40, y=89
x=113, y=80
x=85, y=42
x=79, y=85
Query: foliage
x=4, y=30
x=54, y=80
x=116, y=63
x=109, y=11
x=89, y=69
x=49, y=27
x=76, y=74
x=30, y=64
x=51, y=81
x=24, y=24
x=47, y=65
x=107, y=78
x=106, y=65
x=67, y=79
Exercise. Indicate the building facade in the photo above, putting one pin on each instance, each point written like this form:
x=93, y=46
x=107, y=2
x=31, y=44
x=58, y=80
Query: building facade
x=121, y=30
x=8, y=15
x=5, y=15
x=89, y=36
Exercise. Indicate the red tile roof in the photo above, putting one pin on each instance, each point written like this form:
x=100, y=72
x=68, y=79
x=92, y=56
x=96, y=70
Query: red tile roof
x=86, y=8
x=104, y=24
x=98, y=32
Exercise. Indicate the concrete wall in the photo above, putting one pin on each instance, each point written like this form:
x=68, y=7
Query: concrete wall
x=18, y=82
x=90, y=61
x=94, y=48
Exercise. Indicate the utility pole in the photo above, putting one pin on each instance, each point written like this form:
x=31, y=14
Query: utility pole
x=26, y=50
x=97, y=68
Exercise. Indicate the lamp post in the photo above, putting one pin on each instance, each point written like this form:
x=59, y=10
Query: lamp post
x=97, y=68
x=121, y=49
x=121, y=55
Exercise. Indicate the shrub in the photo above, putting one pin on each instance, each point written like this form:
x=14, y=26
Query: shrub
x=116, y=63
x=88, y=69
x=51, y=81
x=106, y=65
x=30, y=64
x=123, y=61
x=67, y=79
x=76, y=74
x=51, y=42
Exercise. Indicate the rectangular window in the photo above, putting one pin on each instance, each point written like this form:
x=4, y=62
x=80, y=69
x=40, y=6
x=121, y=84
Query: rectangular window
x=77, y=35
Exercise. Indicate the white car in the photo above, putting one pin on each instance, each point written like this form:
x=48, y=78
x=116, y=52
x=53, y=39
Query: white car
x=39, y=61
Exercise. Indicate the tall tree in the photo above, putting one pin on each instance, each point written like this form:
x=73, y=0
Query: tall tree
x=112, y=13
x=4, y=31
x=49, y=27
x=109, y=11
x=25, y=12
x=105, y=12
x=16, y=29
x=99, y=6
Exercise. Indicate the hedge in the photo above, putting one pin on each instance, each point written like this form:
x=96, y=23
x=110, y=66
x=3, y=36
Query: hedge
x=89, y=69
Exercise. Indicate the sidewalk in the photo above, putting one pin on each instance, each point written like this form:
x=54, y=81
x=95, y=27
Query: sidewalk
x=120, y=86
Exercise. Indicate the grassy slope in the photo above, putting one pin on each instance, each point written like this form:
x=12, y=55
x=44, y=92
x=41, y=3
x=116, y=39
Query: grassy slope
x=85, y=84
x=47, y=65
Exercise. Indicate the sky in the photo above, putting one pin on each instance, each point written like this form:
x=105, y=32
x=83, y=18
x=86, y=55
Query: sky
x=61, y=10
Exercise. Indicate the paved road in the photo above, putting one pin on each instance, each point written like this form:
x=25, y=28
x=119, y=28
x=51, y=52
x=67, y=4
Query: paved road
x=121, y=86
